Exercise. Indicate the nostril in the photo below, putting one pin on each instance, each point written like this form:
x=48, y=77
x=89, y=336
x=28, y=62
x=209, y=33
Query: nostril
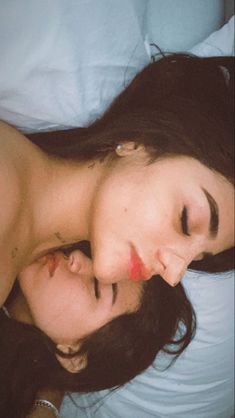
x=161, y=262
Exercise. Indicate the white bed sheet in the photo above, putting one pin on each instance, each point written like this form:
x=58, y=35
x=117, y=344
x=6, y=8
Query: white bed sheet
x=63, y=61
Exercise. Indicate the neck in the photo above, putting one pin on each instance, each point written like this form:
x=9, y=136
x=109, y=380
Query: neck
x=62, y=204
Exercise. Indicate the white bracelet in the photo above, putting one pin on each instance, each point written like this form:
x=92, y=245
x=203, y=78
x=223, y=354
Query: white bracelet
x=46, y=404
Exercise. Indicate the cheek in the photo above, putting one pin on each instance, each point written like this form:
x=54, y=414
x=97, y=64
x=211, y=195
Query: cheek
x=117, y=195
x=58, y=316
x=52, y=305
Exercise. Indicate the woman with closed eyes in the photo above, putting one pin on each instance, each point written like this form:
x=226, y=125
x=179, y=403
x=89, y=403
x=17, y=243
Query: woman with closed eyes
x=67, y=302
x=63, y=330
x=149, y=185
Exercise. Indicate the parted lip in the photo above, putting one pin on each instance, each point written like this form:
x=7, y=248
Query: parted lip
x=52, y=262
x=137, y=269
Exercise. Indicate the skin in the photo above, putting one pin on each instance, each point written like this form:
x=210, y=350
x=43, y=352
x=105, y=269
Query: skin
x=59, y=296
x=121, y=205
x=140, y=205
x=39, y=195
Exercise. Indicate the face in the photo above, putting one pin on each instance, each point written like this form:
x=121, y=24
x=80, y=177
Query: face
x=156, y=218
x=67, y=303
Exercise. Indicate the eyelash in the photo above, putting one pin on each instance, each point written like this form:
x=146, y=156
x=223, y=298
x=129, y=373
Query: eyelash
x=96, y=288
x=184, y=221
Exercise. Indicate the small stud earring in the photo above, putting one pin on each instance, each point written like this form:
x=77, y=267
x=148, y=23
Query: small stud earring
x=119, y=147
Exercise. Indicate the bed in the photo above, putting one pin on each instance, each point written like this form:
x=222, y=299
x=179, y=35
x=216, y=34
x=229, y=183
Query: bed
x=62, y=63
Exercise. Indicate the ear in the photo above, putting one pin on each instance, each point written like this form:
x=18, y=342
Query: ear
x=127, y=148
x=72, y=364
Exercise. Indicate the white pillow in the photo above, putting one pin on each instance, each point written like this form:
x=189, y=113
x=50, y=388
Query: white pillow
x=63, y=61
x=177, y=25
x=220, y=42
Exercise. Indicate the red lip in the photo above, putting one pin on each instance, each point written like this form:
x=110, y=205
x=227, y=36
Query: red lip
x=52, y=262
x=137, y=269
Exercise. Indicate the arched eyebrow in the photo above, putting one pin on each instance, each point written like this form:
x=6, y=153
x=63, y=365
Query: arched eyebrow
x=214, y=215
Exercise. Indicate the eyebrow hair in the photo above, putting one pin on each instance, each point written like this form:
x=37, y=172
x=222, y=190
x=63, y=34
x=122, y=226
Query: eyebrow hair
x=115, y=292
x=214, y=215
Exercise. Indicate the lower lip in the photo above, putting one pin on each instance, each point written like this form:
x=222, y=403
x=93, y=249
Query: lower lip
x=137, y=269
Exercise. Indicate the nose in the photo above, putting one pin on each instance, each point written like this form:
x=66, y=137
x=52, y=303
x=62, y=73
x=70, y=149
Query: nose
x=78, y=262
x=170, y=266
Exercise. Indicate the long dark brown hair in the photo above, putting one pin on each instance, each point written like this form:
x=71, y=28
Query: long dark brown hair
x=179, y=105
x=115, y=353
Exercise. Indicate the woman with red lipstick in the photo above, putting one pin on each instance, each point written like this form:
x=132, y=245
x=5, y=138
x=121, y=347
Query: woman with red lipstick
x=62, y=316
x=162, y=159
x=150, y=184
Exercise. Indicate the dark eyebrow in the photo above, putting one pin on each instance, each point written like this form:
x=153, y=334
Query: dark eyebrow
x=115, y=292
x=214, y=215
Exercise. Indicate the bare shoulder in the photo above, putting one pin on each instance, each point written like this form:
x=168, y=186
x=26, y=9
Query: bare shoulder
x=11, y=178
x=10, y=138
x=11, y=187
x=20, y=163
x=8, y=130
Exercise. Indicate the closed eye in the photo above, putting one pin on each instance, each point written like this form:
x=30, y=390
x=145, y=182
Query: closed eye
x=184, y=221
x=96, y=288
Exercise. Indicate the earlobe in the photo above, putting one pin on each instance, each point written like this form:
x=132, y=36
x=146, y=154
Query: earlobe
x=126, y=148
x=71, y=364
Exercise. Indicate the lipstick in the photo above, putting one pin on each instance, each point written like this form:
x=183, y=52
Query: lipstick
x=52, y=263
x=137, y=269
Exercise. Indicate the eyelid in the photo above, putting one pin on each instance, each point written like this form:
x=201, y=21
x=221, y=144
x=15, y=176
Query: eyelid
x=96, y=288
x=184, y=221
x=115, y=292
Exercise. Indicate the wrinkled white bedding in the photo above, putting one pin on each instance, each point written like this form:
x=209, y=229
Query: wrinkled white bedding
x=62, y=62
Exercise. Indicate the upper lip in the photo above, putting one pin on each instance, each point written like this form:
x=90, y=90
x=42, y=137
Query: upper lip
x=137, y=269
x=52, y=262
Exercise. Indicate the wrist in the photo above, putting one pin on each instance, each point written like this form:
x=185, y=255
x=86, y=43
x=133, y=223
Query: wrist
x=46, y=407
x=51, y=395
